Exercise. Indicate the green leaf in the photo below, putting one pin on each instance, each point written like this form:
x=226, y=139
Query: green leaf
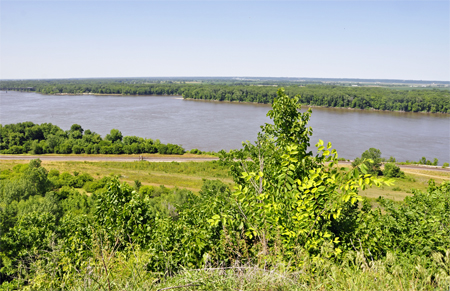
x=363, y=168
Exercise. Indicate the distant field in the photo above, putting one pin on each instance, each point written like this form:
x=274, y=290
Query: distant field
x=190, y=175
x=415, y=88
x=187, y=175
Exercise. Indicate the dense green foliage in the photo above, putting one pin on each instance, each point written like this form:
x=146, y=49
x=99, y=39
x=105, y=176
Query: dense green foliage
x=419, y=227
x=292, y=210
x=413, y=100
x=27, y=137
x=39, y=209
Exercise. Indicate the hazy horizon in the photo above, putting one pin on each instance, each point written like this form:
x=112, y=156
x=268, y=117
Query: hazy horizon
x=399, y=40
x=228, y=77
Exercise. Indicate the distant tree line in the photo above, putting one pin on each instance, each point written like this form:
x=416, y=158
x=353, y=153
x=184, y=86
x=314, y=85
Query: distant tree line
x=333, y=96
x=27, y=137
x=414, y=100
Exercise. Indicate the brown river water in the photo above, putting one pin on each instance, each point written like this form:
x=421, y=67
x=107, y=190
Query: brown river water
x=218, y=125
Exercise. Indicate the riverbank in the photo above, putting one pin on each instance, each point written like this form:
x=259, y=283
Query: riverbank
x=112, y=158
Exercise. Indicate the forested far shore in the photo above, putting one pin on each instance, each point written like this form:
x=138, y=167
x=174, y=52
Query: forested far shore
x=378, y=98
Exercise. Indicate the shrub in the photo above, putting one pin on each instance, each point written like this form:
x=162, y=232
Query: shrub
x=95, y=149
x=127, y=149
x=114, y=135
x=15, y=150
x=163, y=149
x=36, y=148
x=174, y=149
x=76, y=149
x=53, y=173
x=88, y=149
x=391, y=160
x=65, y=148
x=106, y=150
x=135, y=148
x=147, y=191
x=391, y=170
x=417, y=227
x=150, y=148
x=117, y=149
x=195, y=151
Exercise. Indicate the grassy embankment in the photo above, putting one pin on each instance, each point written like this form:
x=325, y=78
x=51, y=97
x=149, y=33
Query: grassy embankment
x=190, y=175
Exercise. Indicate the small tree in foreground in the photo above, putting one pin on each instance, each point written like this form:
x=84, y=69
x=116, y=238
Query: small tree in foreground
x=285, y=191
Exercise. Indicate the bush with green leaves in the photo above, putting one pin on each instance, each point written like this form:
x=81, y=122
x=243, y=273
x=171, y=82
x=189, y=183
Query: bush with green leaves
x=25, y=181
x=193, y=237
x=417, y=227
x=66, y=179
x=391, y=170
x=285, y=191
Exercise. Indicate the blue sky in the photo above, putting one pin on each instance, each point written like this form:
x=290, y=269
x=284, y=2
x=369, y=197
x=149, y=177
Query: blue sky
x=328, y=39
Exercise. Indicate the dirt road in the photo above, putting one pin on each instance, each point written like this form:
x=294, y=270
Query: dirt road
x=411, y=167
x=190, y=158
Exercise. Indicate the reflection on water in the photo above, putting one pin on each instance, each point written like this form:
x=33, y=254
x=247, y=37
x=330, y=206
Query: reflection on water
x=215, y=126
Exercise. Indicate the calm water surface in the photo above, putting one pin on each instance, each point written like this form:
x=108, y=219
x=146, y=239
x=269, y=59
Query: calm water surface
x=214, y=126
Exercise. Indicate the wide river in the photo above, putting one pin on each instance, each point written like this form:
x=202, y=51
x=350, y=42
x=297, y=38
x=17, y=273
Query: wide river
x=218, y=125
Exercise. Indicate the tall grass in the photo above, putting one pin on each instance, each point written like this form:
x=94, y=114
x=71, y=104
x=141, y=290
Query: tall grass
x=200, y=169
x=108, y=270
x=109, y=266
